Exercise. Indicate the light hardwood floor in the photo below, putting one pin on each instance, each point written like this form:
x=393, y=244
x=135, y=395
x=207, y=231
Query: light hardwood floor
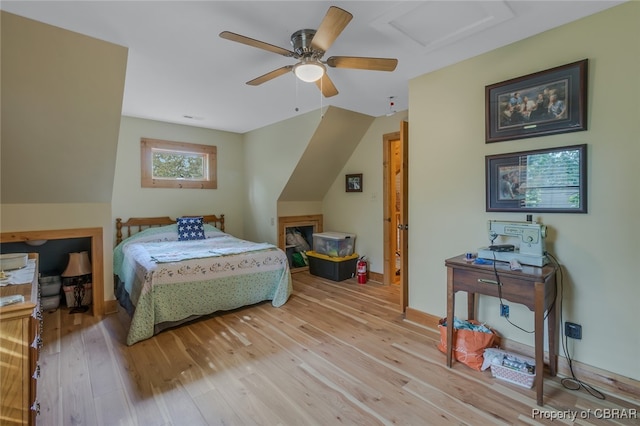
x=335, y=353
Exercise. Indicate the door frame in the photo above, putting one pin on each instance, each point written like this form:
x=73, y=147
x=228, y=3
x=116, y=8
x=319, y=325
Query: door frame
x=388, y=233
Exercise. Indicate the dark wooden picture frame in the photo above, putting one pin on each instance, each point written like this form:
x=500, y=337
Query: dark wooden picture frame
x=522, y=107
x=353, y=182
x=541, y=180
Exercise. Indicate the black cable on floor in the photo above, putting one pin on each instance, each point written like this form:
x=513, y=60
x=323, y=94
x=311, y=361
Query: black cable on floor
x=571, y=383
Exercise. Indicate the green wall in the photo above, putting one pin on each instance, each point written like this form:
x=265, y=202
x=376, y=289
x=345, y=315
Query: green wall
x=131, y=200
x=599, y=250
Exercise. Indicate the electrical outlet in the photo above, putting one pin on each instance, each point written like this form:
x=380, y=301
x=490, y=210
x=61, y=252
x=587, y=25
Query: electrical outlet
x=573, y=330
x=504, y=310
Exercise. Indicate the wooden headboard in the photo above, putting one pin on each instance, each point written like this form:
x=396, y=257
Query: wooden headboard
x=140, y=223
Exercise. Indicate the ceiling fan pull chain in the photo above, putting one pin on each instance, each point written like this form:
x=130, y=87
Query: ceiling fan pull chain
x=296, y=79
x=321, y=92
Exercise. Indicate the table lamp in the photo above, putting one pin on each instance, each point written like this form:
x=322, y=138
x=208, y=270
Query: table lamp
x=78, y=270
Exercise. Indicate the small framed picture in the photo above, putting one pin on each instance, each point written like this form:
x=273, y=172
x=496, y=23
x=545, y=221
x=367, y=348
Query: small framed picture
x=353, y=183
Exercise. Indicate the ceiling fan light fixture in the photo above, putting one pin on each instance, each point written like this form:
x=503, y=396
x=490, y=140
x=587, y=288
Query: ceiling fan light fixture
x=309, y=71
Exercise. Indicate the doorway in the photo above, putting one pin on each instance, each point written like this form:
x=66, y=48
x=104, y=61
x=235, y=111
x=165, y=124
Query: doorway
x=395, y=205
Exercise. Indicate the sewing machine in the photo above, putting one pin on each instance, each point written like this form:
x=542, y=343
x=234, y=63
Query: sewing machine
x=523, y=241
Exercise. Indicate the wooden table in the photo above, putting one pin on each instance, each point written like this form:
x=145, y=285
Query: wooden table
x=534, y=287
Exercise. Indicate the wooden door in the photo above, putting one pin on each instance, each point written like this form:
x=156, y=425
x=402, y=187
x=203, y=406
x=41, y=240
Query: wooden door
x=395, y=163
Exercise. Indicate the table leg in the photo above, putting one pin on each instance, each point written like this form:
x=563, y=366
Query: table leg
x=539, y=339
x=552, y=335
x=471, y=306
x=450, y=313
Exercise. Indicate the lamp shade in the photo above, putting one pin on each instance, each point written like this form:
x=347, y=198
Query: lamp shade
x=309, y=71
x=78, y=265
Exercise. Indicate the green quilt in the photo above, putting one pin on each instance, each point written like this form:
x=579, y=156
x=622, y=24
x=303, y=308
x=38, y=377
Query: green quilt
x=217, y=274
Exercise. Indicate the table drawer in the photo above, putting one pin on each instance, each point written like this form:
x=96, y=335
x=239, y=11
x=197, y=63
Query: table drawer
x=512, y=289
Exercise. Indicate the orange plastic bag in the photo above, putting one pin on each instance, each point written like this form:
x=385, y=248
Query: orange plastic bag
x=468, y=345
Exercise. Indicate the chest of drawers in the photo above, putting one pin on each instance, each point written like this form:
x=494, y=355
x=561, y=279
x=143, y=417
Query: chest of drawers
x=20, y=343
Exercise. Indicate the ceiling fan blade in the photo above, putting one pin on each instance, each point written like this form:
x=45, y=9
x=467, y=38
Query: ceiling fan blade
x=374, y=64
x=270, y=75
x=330, y=28
x=326, y=86
x=228, y=35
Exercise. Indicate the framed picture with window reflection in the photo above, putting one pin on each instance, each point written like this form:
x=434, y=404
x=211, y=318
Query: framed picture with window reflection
x=543, y=180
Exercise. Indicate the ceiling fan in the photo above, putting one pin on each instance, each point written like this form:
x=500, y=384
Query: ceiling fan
x=308, y=47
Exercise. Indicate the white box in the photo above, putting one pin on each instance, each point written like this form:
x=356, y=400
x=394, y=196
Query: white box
x=10, y=261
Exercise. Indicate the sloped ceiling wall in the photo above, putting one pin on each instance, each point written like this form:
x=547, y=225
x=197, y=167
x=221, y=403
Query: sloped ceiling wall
x=61, y=106
x=61, y=109
x=332, y=144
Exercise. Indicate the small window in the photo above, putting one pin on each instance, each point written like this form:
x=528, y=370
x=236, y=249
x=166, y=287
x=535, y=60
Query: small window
x=167, y=164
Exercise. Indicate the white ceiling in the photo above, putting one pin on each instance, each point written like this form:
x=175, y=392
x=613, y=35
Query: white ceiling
x=178, y=66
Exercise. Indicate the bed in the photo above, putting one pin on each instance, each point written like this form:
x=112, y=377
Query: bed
x=171, y=271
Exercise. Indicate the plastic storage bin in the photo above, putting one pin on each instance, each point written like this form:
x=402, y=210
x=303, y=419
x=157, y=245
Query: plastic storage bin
x=333, y=268
x=50, y=303
x=50, y=286
x=335, y=244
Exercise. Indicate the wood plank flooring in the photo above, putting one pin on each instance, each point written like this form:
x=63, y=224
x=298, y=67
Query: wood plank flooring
x=334, y=354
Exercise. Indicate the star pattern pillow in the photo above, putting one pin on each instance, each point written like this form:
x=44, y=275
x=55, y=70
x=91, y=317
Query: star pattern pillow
x=190, y=228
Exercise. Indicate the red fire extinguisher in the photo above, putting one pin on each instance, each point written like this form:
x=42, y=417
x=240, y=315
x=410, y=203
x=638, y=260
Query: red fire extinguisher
x=362, y=271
